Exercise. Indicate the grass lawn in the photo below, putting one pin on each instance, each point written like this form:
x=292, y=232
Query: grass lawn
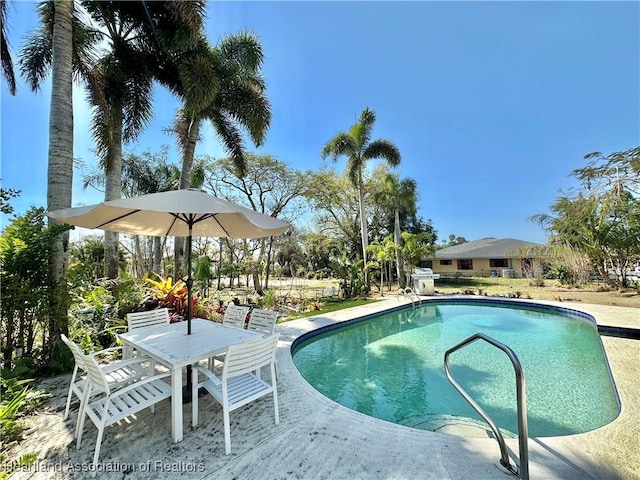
x=596, y=293
x=311, y=290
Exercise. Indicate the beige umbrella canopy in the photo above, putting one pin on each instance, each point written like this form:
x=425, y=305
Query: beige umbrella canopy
x=177, y=213
x=180, y=213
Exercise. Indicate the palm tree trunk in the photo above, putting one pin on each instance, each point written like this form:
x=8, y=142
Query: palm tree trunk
x=157, y=255
x=60, y=170
x=113, y=191
x=397, y=238
x=363, y=227
x=188, y=154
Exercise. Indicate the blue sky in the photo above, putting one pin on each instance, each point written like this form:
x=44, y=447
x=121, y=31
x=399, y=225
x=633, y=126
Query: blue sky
x=492, y=104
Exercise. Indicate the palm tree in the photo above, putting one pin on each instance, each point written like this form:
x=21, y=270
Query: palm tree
x=222, y=85
x=357, y=146
x=137, y=33
x=401, y=196
x=5, y=54
x=119, y=82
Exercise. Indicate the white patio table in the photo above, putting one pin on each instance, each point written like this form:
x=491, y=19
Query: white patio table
x=170, y=345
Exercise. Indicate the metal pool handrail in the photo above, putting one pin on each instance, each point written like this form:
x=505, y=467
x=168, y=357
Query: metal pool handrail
x=523, y=434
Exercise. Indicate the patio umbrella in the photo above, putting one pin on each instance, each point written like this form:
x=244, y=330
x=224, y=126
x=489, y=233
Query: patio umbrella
x=181, y=213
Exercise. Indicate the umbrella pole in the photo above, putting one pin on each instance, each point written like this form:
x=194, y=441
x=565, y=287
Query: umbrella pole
x=186, y=391
x=189, y=281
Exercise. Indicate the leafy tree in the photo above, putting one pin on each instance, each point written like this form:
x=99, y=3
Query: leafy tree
x=269, y=186
x=318, y=249
x=618, y=171
x=416, y=247
x=335, y=202
x=454, y=240
x=602, y=220
x=5, y=54
x=357, y=146
x=383, y=253
x=399, y=198
x=26, y=290
x=7, y=194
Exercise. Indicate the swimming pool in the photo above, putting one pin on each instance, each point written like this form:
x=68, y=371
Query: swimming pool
x=390, y=366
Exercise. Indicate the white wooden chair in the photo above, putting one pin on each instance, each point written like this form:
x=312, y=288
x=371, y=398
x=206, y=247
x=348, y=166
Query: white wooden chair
x=118, y=373
x=105, y=407
x=148, y=318
x=263, y=321
x=235, y=315
x=238, y=384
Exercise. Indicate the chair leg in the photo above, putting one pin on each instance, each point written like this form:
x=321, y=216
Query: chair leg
x=275, y=393
x=79, y=430
x=227, y=433
x=73, y=379
x=194, y=397
x=98, y=445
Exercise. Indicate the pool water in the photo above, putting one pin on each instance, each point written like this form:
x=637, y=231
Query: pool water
x=391, y=367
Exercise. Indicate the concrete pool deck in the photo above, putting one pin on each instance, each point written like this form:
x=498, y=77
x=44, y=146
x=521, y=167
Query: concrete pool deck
x=319, y=439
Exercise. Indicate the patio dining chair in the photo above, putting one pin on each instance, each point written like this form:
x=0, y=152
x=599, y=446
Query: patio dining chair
x=238, y=384
x=104, y=406
x=234, y=316
x=118, y=373
x=263, y=321
x=147, y=318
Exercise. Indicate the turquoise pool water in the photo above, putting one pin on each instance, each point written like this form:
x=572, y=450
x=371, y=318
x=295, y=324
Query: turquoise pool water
x=391, y=366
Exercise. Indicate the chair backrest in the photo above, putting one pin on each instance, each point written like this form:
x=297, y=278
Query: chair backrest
x=95, y=375
x=235, y=315
x=263, y=321
x=148, y=318
x=78, y=354
x=249, y=356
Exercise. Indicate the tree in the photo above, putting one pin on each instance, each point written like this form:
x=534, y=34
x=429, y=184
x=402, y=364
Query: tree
x=400, y=197
x=602, y=220
x=26, y=289
x=416, y=247
x=357, y=146
x=130, y=36
x=137, y=33
x=268, y=186
x=222, y=85
x=5, y=54
x=143, y=174
x=454, y=240
x=60, y=165
x=334, y=200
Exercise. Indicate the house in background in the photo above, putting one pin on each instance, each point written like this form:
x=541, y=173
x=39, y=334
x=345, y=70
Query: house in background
x=498, y=257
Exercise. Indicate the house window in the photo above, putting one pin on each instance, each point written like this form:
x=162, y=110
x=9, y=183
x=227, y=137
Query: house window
x=499, y=263
x=445, y=262
x=427, y=264
x=465, y=264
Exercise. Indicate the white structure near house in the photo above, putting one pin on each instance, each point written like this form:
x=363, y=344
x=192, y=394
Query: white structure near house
x=498, y=257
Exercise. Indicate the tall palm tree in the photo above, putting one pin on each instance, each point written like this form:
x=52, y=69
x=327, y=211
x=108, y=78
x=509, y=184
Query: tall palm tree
x=357, y=146
x=5, y=54
x=130, y=36
x=222, y=85
x=60, y=160
x=137, y=33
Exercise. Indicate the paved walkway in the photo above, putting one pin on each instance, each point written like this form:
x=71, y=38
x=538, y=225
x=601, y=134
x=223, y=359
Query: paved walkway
x=319, y=439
